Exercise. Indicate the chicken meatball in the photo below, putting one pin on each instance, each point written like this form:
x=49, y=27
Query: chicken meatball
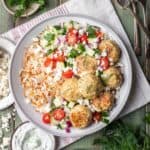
x=80, y=116
x=112, y=77
x=89, y=85
x=69, y=89
x=86, y=64
x=112, y=49
x=103, y=102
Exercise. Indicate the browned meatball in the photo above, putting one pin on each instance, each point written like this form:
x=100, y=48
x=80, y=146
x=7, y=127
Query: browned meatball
x=112, y=49
x=112, y=77
x=80, y=116
x=104, y=102
x=86, y=64
x=69, y=89
x=89, y=85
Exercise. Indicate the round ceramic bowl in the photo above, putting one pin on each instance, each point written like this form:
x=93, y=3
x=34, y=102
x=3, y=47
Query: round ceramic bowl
x=28, y=110
x=8, y=47
x=30, y=11
x=24, y=134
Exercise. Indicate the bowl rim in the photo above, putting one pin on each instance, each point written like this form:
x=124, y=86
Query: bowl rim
x=129, y=72
x=9, y=10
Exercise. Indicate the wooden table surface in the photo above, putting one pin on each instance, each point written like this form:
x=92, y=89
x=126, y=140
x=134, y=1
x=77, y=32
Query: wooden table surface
x=136, y=118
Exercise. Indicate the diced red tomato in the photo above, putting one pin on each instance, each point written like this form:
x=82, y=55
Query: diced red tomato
x=46, y=118
x=59, y=114
x=72, y=36
x=72, y=31
x=84, y=38
x=67, y=74
x=60, y=57
x=104, y=62
x=47, y=62
x=97, y=116
x=54, y=63
x=50, y=61
x=99, y=34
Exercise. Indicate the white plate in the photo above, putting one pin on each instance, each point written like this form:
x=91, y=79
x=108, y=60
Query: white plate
x=23, y=131
x=9, y=47
x=28, y=110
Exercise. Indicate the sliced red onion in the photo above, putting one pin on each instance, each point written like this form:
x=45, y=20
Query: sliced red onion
x=67, y=130
x=69, y=124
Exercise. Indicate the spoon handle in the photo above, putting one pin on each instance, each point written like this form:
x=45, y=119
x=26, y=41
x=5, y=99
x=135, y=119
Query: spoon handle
x=137, y=47
x=146, y=31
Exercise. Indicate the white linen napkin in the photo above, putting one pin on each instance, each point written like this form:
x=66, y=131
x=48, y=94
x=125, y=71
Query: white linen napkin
x=104, y=11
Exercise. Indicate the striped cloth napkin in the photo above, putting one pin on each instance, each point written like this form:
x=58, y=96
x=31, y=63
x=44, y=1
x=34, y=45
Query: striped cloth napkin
x=104, y=11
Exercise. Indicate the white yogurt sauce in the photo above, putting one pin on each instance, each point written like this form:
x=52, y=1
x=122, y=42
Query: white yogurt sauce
x=28, y=137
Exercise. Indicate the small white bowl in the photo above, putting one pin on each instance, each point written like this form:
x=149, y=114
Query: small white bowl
x=30, y=11
x=9, y=47
x=22, y=133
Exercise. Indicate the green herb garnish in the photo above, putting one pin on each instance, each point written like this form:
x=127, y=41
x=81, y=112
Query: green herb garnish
x=97, y=51
x=68, y=64
x=49, y=37
x=50, y=51
x=59, y=126
x=105, y=117
x=81, y=48
x=57, y=27
x=91, y=32
x=73, y=53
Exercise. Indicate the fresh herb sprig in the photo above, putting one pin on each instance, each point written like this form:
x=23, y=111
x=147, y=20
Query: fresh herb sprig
x=119, y=136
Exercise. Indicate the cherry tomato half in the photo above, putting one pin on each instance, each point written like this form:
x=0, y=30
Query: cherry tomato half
x=58, y=114
x=104, y=62
x=72, y=36
x=97, y=116
x=46, y=118
x=47, y=62
x=84, y=38
x=67, y=74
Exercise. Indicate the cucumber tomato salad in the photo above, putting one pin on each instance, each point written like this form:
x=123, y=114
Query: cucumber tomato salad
x=70, y=75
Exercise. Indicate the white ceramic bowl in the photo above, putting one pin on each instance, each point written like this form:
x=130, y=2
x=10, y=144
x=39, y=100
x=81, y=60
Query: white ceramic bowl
x=29, y=111
x=8, y=47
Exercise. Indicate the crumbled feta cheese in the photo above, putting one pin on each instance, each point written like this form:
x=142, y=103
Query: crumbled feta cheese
x=71, y=104
x=4, y=87
x=57, y=102
x=104, y=53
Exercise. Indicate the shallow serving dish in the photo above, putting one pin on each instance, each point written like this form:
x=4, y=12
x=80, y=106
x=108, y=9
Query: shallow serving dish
x=17, y=62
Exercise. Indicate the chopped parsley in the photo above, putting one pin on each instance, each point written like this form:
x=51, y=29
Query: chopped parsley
x=59, y=126
x=50, y=51
x=105, y=117
x=97, y=51
x=81, y=48
x=49, y=37
x=91, y=32
x=57, y=27
x=68, y=64
x=73, y=53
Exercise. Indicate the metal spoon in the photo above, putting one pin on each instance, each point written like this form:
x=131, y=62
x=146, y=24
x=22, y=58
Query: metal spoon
x=126, y=4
